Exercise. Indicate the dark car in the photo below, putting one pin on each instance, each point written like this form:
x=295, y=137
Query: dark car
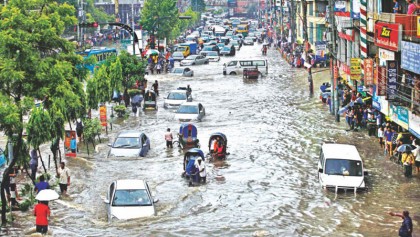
x=228, y=50
x=211, y=48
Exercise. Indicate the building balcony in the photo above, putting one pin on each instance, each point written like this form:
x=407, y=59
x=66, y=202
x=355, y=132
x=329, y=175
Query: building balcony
x=409, y=22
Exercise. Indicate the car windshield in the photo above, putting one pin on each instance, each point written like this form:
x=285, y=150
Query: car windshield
x=127, y=142
x=131, y=197
x=177, y=96
x=178, y=54
x=226, y=49
x=188, y=109
x=212, y=53
x=248, y=38
x=343, y=167
x=207, y=48
x=178, y=70
x=192, y=57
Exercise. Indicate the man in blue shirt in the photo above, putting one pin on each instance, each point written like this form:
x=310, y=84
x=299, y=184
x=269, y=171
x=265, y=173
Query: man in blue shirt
x=396, y=6
x=41, y=185
x=406, y=228
x=388, y=139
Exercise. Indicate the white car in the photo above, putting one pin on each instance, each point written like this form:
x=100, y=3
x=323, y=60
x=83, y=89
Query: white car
x=211, y=55
x=248, y=41
x=175, y=98
x=194, y=60
x=178, y=56
x=129, y=143
x=129, y=199
x=190, y=111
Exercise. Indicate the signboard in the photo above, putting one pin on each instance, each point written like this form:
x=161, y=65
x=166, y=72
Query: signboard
x=410, y=56
x=414, y=124
x=102, y=115
x=355, y=69
x=340, y=6
x=232, y=3
x=335, y=72
x=385, y=55
x=399, y=115
x=418, y=26
x=320, y=48
x=368, y=68
x=355, y=9
x=388, y=35
x=381, y=89
x=392, y=76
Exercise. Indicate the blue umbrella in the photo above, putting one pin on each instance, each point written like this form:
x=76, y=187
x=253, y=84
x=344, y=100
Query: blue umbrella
x=405, y=148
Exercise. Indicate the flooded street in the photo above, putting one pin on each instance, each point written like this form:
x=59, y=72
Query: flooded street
x=269, y=185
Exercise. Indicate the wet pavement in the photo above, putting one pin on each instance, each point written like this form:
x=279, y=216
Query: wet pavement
x=268, y=186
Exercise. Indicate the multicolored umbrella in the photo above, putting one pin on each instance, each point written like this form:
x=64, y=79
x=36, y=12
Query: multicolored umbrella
x=152, y=52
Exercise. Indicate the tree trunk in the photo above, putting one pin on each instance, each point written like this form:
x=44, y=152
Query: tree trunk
x=54, y=149
x=59, y=152
x=99, y=138
x=70, y=123
x=87, y=145
x=42, y=162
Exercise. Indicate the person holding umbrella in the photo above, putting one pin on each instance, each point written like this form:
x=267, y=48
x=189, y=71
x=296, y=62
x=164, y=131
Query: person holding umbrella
x=42, y=212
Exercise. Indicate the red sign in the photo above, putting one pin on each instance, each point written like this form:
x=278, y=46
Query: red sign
x=388, y=35
x=102, y=115
x=368, y=68
x=346, y=36
x=345, y=68
x=381, y=88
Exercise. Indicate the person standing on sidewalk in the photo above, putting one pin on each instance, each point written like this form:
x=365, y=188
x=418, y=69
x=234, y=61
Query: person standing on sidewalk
x=168, y=138
x=64, y=174
x=42, y=212
x=406, y=228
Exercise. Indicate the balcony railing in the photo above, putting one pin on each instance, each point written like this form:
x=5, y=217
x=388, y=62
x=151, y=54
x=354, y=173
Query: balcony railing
x=409, y=22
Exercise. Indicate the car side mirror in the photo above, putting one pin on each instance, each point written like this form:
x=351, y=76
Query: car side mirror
x=320, y=170
x=155, y=200
x=106, y=201
x=110, y=144
x=365, y=173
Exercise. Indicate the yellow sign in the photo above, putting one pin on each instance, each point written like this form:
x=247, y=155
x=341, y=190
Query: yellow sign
x=355, y=69
x=418, y=26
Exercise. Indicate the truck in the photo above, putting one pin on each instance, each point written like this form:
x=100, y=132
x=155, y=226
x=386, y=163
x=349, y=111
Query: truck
x=192, y=45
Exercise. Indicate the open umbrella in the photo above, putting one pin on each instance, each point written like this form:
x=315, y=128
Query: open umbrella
x=152, y=52
x=405, y=148
x=47, y=195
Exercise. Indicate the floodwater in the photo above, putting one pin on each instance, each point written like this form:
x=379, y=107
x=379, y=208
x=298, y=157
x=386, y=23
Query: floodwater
x=269, y=185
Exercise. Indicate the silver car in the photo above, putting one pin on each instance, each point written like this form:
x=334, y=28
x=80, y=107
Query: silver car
x=194, y=60
x=211, y=55
x=248, y=41
x=129, y=144
x=190, y=111
x=178, y=56
x=182, y=71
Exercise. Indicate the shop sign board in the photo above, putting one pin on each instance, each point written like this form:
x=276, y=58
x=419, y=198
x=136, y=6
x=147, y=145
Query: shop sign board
x=355, y=9
x=399, y=115
x=388, y=35
x=355, y=69
x=418, y=26
x=392, y=77
x=410, y=56
x=381, y=89
x=368, y=68
x=385, y=55
x=414, y=124
x=340, y=6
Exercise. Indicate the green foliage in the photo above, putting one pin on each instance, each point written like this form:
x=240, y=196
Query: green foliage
x=39, y=127
x=9, y=116
x=25, y=205
x=91, y=92
x=92, y=127
x=103, y=84
x=133, y=69
x=121, y=110
x=159, y=15
x=115, y=76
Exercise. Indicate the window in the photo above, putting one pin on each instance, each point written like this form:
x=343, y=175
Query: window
x=246, y=63
x=131, y=197
x=233, y=63
x=177, y=96
x=188, y=109
x=343, y=167
x=127, y=142
x=259, y=63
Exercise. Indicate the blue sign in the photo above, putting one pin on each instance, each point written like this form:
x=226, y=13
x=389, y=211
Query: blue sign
x=339, y=6
x=410, y=56
x=392, y=77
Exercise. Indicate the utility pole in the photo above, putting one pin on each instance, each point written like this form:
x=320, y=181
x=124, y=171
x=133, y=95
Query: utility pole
x=333, y=60
x=306, y=44
x=292, y=20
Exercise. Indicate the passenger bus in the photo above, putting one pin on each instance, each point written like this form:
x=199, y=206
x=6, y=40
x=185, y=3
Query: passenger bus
x=101, y=55
x=243, y=29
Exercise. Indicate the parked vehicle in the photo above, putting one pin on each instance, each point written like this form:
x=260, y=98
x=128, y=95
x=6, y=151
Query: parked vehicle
x=175, y=98
x=178, y=56
x=341, y=167
x=130, y=199
x=236, y=67
x=182, y=71
x=129, y=143
x=190, y=111
x=194, y=60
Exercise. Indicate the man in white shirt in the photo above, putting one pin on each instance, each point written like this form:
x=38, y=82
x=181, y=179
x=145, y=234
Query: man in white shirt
x=64, y=174
x=201, y=167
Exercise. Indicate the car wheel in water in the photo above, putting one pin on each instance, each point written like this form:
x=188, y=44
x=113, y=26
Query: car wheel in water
x=232, y=73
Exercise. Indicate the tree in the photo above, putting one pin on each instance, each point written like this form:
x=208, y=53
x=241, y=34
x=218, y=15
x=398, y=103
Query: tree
x=36, y=63
x=133, y=69
x=115, y=76
x=159, y=16
x=103, y=84
x=198, y=5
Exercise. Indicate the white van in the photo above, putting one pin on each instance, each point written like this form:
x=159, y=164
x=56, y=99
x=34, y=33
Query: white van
x=340, y=167
x=236, y=67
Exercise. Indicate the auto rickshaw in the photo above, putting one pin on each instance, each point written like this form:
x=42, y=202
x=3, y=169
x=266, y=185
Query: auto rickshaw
x=187, y=136
x=218, y=145
x=150, y=100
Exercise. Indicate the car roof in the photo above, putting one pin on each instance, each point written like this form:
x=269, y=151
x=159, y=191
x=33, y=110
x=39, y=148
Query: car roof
x=129, y=133
x=130, y=184
x=340, y=151
x=177, y=91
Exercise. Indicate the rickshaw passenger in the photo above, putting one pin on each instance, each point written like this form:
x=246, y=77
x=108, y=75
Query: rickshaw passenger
x=215, y=146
